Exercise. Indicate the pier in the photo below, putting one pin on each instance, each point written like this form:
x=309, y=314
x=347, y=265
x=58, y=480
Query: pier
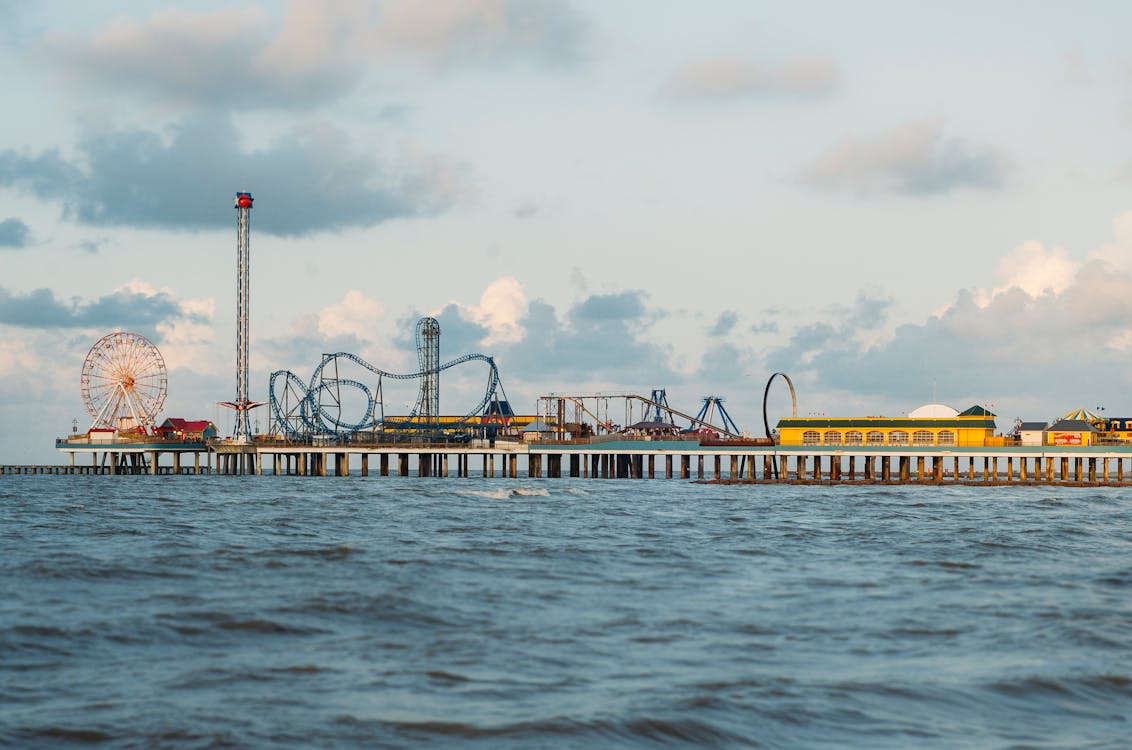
x=605, y=458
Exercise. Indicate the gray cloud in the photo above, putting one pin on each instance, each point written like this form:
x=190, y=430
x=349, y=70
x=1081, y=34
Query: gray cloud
x=525, y=210
x=622, y=306
x=913, y=159
x=1031, y=354
x=13, y=234
x=219, y=59
x=729, y=78
x=240, y=58
x=42, y=309
x=724, y=324
x=309, y=181
x=467, y=32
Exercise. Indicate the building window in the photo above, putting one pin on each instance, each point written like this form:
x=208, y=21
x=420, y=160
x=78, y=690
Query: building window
x=811, y=437
x=875, y=437
x=947, y=437
x=854, y=438
x=832, y=438
x=922, y=437
x=898, y=437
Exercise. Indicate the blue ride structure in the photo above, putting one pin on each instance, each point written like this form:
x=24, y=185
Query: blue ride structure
x=335, y=402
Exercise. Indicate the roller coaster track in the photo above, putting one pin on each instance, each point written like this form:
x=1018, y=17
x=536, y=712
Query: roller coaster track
x=298, y=408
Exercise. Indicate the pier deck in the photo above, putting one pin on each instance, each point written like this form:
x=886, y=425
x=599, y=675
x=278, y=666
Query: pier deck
x=1097, y=465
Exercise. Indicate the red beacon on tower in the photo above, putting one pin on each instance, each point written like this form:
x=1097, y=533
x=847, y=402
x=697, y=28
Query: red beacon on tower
x=243, y=200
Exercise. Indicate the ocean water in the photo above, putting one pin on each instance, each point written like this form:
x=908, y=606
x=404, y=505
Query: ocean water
x=291, y=612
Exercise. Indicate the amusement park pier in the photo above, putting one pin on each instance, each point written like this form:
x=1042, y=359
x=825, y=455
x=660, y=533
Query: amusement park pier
x=335, y=422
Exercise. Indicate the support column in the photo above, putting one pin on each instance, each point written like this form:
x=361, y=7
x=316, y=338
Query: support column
x=153, y=463
x=365, y=464
x=1010, y=468
x=920, y=469
x=668, y=466
x=886, y=468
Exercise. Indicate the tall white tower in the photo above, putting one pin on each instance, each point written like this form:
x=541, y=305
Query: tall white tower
x=242, y=432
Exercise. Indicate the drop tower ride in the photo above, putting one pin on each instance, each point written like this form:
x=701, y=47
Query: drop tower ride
x=242, y=431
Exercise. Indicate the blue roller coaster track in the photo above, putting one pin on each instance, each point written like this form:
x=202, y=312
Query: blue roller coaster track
x=301, y=409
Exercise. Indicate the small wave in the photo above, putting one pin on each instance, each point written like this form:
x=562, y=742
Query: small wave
x=530, y=492
x=258, y=625
x=70, y=735
x=692, y=732
x=441, y=676
x=500, y=494
x=949, y=564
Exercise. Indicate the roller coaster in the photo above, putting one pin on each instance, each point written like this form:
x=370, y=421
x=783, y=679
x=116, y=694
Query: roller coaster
x=336, y=403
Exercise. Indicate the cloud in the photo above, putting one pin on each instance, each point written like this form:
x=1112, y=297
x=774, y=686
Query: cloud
x=242, y=58
x=601, y=339
x=356, y=315
x=915, y=159
x=13, y=234
x=729, y=77
x=310, y=181
x=124, y=308
x=724, y=324
x=525, y=210
x=482, y=32
x=1052, y=333
x=220, y=58
x=1037, y=270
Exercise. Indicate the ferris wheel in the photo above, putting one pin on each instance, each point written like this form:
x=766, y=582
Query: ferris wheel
x=124, y=381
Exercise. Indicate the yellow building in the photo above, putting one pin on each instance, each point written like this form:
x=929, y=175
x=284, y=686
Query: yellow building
x=930, y=425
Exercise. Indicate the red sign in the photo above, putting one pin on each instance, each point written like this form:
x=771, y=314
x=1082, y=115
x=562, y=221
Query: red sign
x=1066, y=438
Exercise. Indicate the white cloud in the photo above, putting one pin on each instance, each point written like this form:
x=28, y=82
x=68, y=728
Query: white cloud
x=500, y=310
x=1037, y=270
x=356, y=315
x=915, y=158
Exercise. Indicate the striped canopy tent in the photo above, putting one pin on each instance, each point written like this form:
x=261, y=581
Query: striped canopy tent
x=1084, y=415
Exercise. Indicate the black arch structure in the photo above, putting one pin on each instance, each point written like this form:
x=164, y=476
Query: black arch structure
x=793, y=408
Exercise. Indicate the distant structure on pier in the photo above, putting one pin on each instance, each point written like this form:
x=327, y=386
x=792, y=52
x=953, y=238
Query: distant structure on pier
x=242, y=431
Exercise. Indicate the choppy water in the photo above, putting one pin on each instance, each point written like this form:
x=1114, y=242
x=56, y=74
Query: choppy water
x=193, y=612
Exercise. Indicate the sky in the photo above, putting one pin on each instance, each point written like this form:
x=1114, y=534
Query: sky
x=894, y=205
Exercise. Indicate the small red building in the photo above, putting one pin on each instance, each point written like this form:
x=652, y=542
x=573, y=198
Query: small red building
x=175, y=428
